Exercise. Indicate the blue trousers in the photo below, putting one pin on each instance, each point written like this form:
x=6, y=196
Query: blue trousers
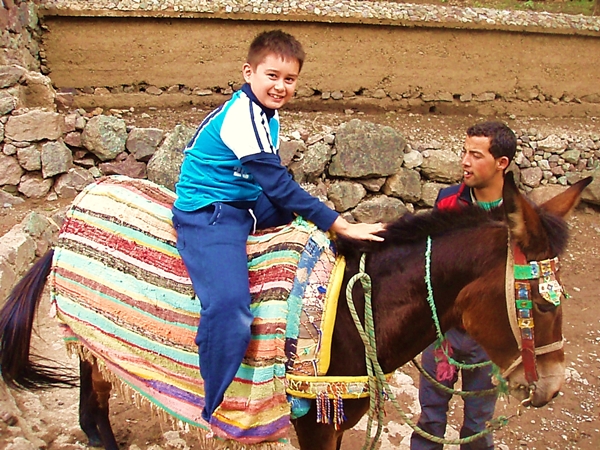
x=212, y=244
x=434, y=402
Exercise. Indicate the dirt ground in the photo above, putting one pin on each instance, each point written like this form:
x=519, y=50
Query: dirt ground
x=49, y=419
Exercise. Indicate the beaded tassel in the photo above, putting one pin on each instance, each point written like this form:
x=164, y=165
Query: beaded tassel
x=319, y=402
x=338, y=412
x=323, y=408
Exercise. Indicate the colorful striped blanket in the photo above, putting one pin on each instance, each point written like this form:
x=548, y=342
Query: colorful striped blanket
x=123, y=295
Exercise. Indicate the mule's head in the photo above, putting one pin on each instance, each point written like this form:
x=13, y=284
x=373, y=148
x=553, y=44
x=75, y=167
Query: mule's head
x=537, y=236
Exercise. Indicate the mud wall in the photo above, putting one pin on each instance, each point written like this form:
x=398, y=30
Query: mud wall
x=473, y=66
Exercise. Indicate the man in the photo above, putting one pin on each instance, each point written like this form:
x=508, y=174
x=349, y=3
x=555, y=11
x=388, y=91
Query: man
x=488, y=150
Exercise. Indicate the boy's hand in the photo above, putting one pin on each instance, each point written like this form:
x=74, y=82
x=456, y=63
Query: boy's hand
x=362, y=231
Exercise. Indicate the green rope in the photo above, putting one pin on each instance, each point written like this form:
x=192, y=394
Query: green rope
x=442, y=387
x=438, y=328
x=377, y=382
x=376, y=386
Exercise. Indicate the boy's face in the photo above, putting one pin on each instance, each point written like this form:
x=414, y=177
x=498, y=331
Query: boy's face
x=273, y=81
x=480, y=168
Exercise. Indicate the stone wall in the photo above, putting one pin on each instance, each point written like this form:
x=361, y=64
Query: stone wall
x=20, y=34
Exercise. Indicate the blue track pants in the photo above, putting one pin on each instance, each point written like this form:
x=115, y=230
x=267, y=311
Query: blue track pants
x=212, y=244
x=434, y=402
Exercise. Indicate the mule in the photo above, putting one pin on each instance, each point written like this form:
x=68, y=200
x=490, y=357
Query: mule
x=468, y=266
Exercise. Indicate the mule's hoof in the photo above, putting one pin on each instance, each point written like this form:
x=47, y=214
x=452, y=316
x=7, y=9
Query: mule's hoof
x=95, y=442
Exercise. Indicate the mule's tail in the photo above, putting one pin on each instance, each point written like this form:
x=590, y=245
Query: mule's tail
x=18, y=367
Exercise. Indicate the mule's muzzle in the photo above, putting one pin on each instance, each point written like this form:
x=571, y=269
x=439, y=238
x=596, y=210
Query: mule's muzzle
x=532, y=395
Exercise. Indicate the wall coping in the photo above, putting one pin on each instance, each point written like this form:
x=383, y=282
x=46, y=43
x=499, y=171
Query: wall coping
x=333, y=11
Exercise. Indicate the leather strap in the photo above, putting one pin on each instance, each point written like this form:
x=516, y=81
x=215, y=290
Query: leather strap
x=524, y=306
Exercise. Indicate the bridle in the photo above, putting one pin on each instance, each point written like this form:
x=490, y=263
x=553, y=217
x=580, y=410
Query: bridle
x=519, y=303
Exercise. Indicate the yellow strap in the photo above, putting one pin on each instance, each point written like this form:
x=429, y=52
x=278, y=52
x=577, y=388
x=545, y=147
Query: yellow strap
x=346, y=387
x=328, y=320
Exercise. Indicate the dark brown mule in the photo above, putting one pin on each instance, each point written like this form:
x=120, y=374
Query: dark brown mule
x=468, y=268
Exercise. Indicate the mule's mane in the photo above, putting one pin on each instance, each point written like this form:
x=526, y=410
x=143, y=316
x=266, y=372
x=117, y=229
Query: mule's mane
x=413, y=228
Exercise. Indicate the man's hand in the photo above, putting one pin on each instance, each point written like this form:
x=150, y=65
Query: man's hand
x=362, y=231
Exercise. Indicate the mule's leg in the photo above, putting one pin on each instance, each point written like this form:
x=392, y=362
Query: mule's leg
x=313, y=435
x=88, y=404
x=102, y=390
x=317, y=436
x=93, y=407
x=339, y=441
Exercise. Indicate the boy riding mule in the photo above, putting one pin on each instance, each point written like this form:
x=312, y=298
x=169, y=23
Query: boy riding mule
x=232, y=182
x=494, y=273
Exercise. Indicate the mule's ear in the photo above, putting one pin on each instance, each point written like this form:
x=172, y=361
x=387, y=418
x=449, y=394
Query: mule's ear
x=562, y=204
x=523, y=220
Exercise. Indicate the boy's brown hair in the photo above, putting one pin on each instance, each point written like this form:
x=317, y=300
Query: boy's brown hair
x=278, y=42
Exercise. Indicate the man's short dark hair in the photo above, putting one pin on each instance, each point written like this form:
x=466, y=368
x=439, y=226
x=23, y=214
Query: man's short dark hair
x=503, y=141
x=278, y=42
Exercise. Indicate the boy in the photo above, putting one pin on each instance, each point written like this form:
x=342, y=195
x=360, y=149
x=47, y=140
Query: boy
x=232, y=183
x=488, y=150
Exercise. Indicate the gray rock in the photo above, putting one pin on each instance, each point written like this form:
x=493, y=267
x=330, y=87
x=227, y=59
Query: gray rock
x=10, y=75
x=379, y=209
x=37, y=91
x=406, y=185
x=69, y=184
x=571, y=156
x=56, y=158
x=441, y=165
x=290, y=150
x=345, y=194
x=17, y=248
x=591, y=194
x=7, y=103
x=312, y=165
x=413, y=159
x=304, y=92
x=9, y=149
x=429, y=193
x=164, y=166
x=9, y=199
x=531, y=176
x=10, y=170
x=553, y=144
x=8, y=277
x=30, y=158
x=541, y=194
x=142, y=142
x=128, y=166
x=485, y=97
x=34, y=125
x=373, y=184
x=105, y=136
x=33, y=185
x=364, y=150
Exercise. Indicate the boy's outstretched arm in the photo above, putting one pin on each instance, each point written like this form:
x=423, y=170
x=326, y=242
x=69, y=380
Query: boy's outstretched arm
x=282, y=190
x=362, y=231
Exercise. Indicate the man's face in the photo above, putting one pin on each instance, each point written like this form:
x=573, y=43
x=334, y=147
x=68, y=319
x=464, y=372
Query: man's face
x=273, y=81
x=480, y=167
